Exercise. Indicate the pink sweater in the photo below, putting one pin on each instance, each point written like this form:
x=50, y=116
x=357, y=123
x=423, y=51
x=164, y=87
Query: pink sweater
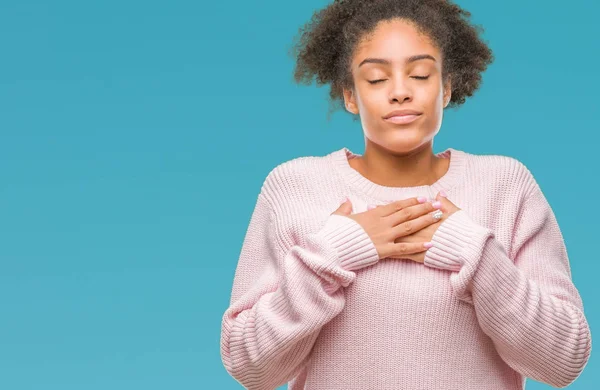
x=492, y=304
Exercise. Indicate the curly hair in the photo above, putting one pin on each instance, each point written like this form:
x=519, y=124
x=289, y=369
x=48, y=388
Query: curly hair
x=324, y=46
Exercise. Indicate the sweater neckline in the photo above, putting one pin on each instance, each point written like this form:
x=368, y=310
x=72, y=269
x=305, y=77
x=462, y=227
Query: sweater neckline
x=377, y=191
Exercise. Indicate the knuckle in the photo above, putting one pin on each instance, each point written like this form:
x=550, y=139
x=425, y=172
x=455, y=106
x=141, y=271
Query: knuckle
x=402, y=247
x=407, y=227
x=405, y=214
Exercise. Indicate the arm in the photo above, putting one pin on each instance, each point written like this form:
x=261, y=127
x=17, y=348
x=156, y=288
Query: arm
x=530, y=307
x=282, y=297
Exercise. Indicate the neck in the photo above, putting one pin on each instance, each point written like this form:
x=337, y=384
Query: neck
x=392, y=169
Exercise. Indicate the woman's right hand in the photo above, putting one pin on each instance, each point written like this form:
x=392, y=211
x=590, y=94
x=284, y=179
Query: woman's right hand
x=385, y=224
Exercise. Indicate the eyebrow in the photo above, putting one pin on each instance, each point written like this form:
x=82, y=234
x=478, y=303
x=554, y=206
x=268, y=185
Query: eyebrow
x=388, y=62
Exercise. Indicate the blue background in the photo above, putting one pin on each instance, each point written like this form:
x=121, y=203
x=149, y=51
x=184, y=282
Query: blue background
x=135, y=136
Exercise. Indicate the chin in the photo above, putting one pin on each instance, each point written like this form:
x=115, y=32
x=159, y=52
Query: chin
x=402, y=145
x=405, y=139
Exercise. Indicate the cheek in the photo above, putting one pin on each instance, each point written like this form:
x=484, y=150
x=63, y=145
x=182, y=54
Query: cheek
x=434, y=99
x=371, y=102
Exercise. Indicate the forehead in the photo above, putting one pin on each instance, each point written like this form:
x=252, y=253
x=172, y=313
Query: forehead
x=396, y=40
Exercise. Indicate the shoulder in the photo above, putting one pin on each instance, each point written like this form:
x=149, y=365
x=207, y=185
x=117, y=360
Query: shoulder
x=298, y=192
x=500, y=186
x=502, y=173
x=299, y=176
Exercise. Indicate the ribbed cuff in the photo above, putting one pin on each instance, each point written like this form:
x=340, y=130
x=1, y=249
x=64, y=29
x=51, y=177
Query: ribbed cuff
x=456, y=241
x=354, y=246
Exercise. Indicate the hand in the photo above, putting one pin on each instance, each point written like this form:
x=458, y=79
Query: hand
x=385, y=224
x=426, y=233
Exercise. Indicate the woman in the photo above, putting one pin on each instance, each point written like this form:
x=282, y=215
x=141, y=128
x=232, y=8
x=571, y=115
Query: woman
x=393, y=289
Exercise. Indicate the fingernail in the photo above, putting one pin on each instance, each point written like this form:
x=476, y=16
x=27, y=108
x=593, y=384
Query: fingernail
x=422, y=199
x=369, y=207
x=437, y=204
x=428, y=244
x=443, y=193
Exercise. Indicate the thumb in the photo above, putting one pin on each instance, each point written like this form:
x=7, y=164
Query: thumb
x=441, y=195
x=344, y=209
x=447, y=205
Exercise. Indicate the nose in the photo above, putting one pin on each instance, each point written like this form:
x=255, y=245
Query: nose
x=400, y=91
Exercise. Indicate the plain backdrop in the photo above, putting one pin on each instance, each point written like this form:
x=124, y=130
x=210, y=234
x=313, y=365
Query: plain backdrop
x=135, y=136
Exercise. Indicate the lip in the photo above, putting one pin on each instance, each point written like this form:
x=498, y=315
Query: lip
x=402, y=119
x=405, y=111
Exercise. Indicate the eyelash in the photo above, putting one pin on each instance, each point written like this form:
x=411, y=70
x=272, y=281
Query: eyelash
x=416, y=77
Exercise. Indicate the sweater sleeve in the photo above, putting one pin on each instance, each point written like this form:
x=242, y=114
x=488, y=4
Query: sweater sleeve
x=529, y=307
x=282, y=297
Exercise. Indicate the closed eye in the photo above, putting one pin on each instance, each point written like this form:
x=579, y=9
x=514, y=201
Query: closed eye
x=415, y=77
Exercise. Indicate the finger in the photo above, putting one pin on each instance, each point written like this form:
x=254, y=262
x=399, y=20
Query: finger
x=397, y=205
x=409, y=213
x=447, y=205
x=407, y=248
x=414, y=225
x=442, y=196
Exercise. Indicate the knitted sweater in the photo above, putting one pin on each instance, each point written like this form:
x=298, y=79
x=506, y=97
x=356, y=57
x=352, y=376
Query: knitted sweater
x=313, y=306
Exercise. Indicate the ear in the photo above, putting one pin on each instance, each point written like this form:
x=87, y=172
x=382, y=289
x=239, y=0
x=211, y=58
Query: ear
x=350, y=101
x=447, y=92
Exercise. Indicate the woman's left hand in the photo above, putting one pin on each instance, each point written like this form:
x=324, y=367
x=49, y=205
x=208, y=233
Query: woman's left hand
x=426, y=234
x=448, y=208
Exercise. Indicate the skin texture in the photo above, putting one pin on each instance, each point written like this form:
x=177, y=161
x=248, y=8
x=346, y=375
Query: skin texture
x=398, y=155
